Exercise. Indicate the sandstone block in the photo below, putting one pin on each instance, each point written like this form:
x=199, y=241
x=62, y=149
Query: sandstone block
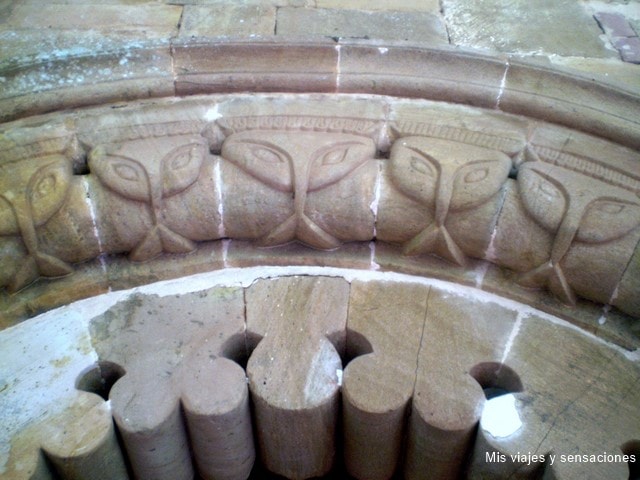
x=384, y=25
x=232, y=20
x=265, y=66
x=299, y=326
x=385, y=326
x=381, y=5
x=168, y=348
x=521, y=28
x=561, y=415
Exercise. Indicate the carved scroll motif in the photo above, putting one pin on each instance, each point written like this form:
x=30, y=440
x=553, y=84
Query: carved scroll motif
x=446, y=177
x=298, y=155
x=150, y=179
x=576, y=199
x=31, y=192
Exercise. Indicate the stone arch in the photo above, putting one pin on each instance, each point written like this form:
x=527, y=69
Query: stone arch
x=511, y=179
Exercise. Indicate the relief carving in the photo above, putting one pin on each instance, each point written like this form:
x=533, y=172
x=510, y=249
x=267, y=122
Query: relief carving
x=31, y=192
x=447, y=177
x=150, y=178
x=577, y=200
x=298, y=155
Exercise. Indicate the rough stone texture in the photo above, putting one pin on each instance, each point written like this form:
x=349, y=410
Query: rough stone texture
x=602, y=70
x=159, y=180
x=233, y=20
x=515, y=27
x=449, y=180
x=396, y=25
x=629, y=48
x=432, y=6
x=160, y=21
x=416, y=73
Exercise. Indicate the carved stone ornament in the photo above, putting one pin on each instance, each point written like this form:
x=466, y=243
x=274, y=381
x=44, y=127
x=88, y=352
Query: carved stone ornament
x=347, y=277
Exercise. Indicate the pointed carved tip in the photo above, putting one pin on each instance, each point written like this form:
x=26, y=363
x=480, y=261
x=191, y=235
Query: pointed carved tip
x=26, y=274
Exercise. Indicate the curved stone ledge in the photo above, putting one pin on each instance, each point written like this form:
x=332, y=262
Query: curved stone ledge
x=557, y=208
x=401, y=369
x=113, y=71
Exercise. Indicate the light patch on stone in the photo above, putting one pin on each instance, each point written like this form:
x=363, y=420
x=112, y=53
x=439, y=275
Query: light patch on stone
x=213, y=114
x=373, y=206
x=512, y=336
x=372, y=258
x=338, y=69
x=500, y=417
x=41, y=359
x=481, y=271
x=321, y=381
x=219, y=185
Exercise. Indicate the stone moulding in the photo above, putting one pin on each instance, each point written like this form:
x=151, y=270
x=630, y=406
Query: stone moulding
x=153, y=69
x=509, y=203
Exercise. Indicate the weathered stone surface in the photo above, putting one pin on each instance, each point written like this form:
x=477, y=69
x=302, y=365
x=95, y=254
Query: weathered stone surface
x=422, y=353
x=535, y=87
x=82, y=443
x=387, y=25
x=604, y=70
x=156, y=180
x=382, y=5
x=516, y=27
x=626, y=295
x=159, y=20
x=356, y=255
x=100, y=71
x=232, y=20
x=299, y=326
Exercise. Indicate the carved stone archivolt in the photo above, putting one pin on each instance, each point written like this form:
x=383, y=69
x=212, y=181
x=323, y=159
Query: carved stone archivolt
x=558, y=208
x=423, y=223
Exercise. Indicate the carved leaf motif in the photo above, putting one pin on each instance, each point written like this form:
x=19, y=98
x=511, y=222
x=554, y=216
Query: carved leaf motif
x=543, y=197
x=122, y=175
x=262, y=160
x=607, y=219
x=181, y=168
x=478, y=181
x=330, y=164
x=47, y=190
